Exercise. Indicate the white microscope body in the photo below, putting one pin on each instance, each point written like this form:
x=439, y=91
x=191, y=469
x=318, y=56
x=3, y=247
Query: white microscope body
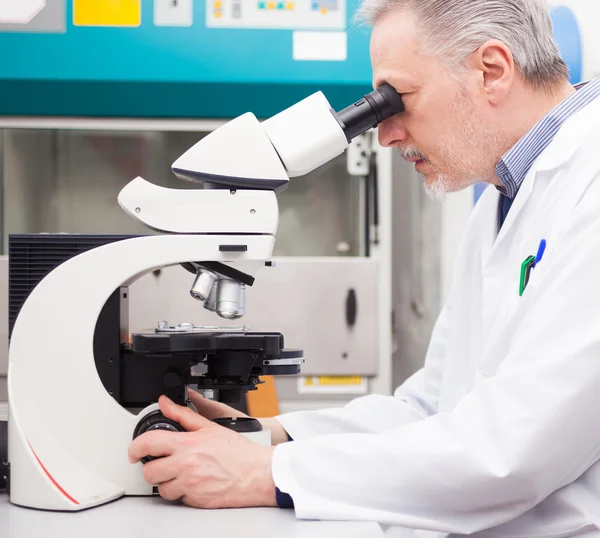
x=68, y=437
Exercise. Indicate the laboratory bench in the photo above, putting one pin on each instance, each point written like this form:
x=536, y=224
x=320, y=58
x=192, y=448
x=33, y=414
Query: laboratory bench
x=152, y=517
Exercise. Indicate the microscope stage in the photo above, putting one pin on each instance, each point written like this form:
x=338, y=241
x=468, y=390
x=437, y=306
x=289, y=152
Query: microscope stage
x=268, y=344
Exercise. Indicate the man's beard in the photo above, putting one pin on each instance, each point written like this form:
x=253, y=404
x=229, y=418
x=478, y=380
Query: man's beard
x=437, y=188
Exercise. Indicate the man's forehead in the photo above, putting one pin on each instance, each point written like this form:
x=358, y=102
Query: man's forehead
x=405, y=74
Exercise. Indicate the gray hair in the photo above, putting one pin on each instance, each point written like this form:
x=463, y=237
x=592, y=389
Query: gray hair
x=454, y=29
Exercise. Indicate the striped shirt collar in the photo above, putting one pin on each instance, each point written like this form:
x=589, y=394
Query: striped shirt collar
x=516, y=162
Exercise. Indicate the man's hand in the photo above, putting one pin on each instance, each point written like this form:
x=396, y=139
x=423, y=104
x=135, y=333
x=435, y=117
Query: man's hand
x=207, y=466
x=211, y=409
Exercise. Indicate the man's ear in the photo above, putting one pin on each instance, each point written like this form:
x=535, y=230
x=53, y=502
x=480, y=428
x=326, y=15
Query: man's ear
x=496, y=66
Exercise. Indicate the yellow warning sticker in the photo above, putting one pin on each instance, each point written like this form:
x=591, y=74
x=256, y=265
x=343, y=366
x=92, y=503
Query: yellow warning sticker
x=107, y=12
x=332, y=385
x=348, y=380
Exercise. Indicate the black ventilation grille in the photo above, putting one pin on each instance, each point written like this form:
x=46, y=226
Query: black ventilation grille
x=32, y=256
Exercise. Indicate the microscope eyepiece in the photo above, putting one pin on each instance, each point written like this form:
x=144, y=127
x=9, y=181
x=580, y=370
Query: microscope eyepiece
x=370, y=111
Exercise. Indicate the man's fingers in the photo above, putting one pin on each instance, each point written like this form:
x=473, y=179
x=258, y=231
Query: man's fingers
x=156, y=443
x=172, y=490
x=161, y=470
x=183, y=415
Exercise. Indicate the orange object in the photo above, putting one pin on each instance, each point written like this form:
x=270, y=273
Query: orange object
x=263, y=402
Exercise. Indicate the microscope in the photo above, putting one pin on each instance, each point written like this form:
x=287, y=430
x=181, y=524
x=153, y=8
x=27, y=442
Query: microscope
x=81, y=387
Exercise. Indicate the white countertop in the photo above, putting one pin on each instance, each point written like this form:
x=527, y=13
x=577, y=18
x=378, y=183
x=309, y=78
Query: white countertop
x=152, y=517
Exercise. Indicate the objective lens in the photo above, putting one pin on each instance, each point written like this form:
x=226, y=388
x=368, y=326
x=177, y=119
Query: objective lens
x=211, y=302
x=228, y=298
x=242, y=302
x=203, y=284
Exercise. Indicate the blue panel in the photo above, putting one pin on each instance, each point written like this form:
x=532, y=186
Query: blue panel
x=568, y=36
x=161, y=71
x=193, y=71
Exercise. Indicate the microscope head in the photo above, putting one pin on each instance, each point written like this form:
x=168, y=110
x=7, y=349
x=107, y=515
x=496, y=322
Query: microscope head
x=247, y=154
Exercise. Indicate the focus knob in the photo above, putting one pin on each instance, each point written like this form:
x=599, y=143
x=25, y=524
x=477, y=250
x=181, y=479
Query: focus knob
x=155, y=421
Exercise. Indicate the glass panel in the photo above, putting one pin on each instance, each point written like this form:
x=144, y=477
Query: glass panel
x=68, y=181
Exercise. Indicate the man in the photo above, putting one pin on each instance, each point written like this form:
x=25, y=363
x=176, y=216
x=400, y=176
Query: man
x=497, y=435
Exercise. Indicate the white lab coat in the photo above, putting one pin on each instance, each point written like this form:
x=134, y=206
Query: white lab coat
x=499, y=434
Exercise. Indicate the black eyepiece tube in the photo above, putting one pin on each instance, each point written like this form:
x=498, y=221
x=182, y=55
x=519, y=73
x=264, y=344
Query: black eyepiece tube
x=370, y=111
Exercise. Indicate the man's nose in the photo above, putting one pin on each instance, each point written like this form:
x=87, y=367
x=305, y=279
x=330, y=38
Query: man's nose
x=391, y=133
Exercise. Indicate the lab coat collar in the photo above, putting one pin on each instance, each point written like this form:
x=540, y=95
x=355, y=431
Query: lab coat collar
x=571, y=135
x=564, y=145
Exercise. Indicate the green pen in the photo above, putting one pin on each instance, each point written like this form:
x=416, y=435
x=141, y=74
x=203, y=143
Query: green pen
x=526, y=268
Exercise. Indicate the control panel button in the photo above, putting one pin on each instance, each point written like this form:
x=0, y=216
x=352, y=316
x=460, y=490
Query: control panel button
x=173, y=12
x=309, y=15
